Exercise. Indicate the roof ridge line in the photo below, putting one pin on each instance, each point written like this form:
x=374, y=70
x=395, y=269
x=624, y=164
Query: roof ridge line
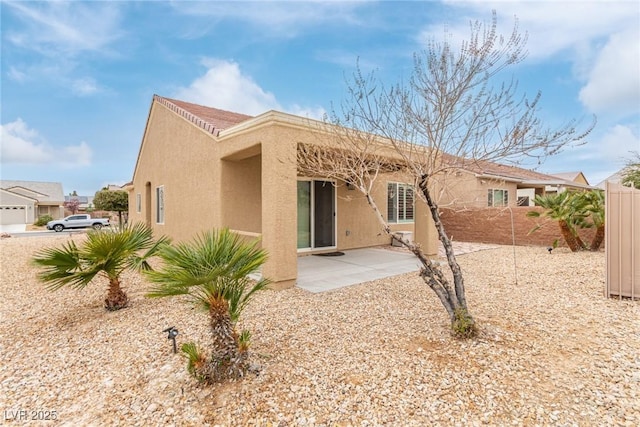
x=187, y=115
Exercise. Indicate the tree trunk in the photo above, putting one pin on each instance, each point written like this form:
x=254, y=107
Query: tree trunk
x=430, y=272
x=227, y=361
x=462, y=324
x=568, y=235
x=116, y=297
x=598, y=239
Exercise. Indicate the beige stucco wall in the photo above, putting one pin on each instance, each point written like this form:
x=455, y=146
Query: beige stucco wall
x=241, y=194
x=245, y=180
x=182, y=158
x=462, y=189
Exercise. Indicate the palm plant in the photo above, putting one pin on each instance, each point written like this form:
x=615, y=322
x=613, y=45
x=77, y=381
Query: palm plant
x=103, y=253
x=592, y=203
x=212, y=270
x=561, y=207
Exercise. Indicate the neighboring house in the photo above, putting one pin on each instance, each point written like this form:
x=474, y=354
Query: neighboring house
x=86, y=202
x=22, y=202
x=487, y=184
x=575, y=177
x=616, y=178
x=201, y=168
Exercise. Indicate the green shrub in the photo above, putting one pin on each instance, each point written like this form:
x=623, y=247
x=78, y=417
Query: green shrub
x=43, y=220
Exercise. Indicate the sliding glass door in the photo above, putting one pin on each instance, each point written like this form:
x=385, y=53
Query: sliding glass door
x=316, y=214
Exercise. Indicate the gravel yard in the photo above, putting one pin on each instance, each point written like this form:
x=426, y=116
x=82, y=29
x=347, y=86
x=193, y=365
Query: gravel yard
x=552, y=351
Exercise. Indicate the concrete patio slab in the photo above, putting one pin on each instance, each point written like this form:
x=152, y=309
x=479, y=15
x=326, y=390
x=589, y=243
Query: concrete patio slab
x=325, y=273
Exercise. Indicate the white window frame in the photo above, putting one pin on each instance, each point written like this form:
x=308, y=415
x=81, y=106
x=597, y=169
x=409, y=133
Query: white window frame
x=401, y=211
x=491, y=197
x=138, y=202
x=160, y=204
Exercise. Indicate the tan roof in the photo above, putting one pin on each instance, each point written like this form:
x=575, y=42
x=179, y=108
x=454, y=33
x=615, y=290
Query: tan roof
x=214, y=120
x=44, y=192
x=211, y=119
x=484, y=167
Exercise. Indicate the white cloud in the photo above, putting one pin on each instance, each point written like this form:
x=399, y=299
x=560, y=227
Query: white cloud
x=225, y=86
x=617, y=142
x=317, y=113
x=283, y=19
x=608, y=146
x=62, y=33
x=613, y=82
x=599, y=39
x=21, y=145
x=84, y=86
x=16, y=74
x=66, y=28
x=553, y=26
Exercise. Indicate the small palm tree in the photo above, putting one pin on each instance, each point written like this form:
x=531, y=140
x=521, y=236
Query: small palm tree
x=592, y=203
x=103, y=253
x=561, y=207
x=212, y=270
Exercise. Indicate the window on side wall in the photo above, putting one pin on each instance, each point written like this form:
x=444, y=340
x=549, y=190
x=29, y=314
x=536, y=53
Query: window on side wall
x=497, y=198
x=160, y=204
x=138, y=203
x=400, y=202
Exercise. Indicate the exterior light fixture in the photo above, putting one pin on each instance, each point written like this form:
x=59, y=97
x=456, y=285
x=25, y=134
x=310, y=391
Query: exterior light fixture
x=172, y=334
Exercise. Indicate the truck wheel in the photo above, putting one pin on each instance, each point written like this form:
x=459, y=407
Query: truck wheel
x=97, y=226
x=58, y=227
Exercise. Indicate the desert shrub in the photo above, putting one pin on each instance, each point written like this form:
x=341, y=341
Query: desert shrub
x=43, y=220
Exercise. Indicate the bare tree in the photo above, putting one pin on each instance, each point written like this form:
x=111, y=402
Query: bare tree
x=448, y=116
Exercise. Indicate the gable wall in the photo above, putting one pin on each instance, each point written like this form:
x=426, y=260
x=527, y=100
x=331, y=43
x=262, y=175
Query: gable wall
x=183, y=159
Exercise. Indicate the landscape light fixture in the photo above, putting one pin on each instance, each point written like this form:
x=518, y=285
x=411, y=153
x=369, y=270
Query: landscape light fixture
x=549, y=249
x=173, y=333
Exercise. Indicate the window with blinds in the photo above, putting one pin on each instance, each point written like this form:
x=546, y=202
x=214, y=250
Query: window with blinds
x=400, y=202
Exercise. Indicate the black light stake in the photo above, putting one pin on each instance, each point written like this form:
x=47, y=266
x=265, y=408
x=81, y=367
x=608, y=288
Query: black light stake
x=173, y=333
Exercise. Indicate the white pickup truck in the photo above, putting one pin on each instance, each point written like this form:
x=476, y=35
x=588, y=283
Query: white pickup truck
x=77, y=221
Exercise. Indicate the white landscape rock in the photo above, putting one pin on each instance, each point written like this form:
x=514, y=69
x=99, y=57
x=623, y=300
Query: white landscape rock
x=552, y=351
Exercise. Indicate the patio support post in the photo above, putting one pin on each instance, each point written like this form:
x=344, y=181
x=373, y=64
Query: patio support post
x=425, y=231
x=279, y=212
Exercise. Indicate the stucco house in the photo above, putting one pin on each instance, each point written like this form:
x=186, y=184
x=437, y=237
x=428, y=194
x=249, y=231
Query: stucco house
x=488, y=184
x=200, y=168
x=22, y=202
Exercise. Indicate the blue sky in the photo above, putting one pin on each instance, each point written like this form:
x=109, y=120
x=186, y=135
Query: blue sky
x=78, y=77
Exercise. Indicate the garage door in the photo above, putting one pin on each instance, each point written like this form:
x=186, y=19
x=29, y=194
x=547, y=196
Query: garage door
x=13, y=215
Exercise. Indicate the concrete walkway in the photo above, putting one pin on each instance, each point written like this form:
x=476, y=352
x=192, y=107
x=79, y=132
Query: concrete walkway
x=325, y=273
x=13, y=228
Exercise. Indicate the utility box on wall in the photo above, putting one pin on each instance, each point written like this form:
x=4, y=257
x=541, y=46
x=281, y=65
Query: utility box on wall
x=406, y=235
